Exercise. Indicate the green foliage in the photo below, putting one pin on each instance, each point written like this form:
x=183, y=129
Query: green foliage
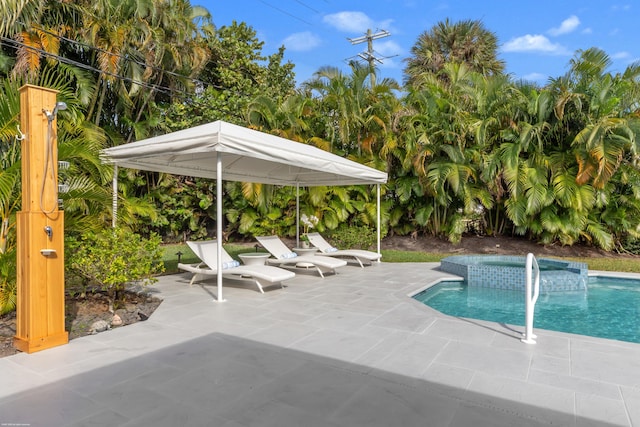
x=237, y=63
x=8, y=284
x=112, y=259
x=390, y=255
x=354, y=237
x=631, y=245
x=447, y=42
x=237, y=72
x=186, y=207
x=557, y=163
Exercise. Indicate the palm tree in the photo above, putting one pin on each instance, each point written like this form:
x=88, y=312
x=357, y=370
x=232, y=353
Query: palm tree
x=599, y=126
x=10, y=182
x=604, y=114
x=146, y=52
x=36, y=28
x=357, y=117
x=288, y=119
x=466, y=42
x=439, y=149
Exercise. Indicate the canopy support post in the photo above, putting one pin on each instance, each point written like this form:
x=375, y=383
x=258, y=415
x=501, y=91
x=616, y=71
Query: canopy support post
x=219, y=223
x=114, y=198
x=297, y=214
x=378, y=216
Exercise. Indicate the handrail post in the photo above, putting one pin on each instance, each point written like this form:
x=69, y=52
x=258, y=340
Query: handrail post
x=531, y=281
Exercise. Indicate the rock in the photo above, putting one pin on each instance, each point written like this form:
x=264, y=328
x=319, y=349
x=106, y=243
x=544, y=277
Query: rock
x=99, y=326
x=116, y=320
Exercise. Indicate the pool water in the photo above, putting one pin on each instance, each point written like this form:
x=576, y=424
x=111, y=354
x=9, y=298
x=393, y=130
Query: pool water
x=610, y=308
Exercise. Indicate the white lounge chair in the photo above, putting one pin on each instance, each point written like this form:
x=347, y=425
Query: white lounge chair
x=207, y=251
x=358, y=255
x=286, y=258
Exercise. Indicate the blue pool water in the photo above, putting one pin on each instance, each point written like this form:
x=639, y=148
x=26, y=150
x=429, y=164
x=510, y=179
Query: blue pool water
x=610, y=308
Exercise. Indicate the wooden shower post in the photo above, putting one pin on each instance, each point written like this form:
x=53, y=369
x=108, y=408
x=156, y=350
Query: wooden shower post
x=40, y=228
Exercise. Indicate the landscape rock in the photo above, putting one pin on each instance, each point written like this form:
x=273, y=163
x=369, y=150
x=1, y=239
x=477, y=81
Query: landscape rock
x=116, y=320
x=99, y=326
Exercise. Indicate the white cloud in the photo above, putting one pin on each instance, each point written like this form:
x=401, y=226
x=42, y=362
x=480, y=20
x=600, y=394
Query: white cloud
x=535, y=77
x=390, y=64
x=351, y=22
x=567, y=26
x=355, y=22
x=302, y=42
x=533, y=43
x=388, y=48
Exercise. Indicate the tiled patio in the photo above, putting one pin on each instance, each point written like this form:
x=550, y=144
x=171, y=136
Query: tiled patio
x=348, y=350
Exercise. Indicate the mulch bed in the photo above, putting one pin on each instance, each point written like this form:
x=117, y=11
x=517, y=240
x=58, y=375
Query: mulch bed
x=82, y=311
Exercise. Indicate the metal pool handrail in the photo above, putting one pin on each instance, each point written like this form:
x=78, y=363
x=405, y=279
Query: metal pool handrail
x=532, y=279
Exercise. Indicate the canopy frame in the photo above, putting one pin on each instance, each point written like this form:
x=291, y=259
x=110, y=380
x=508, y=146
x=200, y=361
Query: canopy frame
x=223, y=151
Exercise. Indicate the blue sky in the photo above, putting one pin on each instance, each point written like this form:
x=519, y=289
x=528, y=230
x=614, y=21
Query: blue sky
x=536, y=38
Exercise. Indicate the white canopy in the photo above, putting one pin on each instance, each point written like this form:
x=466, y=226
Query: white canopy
x=247, y=155
x=223, y=151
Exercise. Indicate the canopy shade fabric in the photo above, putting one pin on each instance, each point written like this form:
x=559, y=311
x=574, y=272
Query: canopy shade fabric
x=247, y=155
x=223, y=151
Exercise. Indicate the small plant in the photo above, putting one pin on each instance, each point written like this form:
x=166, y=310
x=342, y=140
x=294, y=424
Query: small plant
x=113, y=259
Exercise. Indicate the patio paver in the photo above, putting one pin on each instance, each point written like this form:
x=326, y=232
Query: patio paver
x=351, y=349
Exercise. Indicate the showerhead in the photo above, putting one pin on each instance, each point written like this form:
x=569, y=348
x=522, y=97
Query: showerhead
x=59, y=106
x=52, y=114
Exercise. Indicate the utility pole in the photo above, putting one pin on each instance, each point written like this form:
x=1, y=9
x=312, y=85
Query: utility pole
x=369, y=54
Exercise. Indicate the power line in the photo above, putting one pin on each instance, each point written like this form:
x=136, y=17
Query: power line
x=163, y=89
x=285, y=12
x=133, y=60
x=307, y=6
x=126, y=58
x=369, y=37
x=369, y=55
x=159, y=88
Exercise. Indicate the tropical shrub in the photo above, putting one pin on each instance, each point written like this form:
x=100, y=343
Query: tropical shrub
x=353, y=237
x=112, y=259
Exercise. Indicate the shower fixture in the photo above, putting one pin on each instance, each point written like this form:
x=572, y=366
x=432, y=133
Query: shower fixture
x=52, y=114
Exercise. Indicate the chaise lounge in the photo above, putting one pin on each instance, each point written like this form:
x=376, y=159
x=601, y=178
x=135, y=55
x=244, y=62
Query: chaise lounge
x=207, y=251
x=359, y=255
x=286, y=258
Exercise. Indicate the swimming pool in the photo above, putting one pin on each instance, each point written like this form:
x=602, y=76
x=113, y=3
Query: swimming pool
x=609, y=308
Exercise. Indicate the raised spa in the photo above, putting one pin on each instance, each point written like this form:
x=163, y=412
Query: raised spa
x=507, y=272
